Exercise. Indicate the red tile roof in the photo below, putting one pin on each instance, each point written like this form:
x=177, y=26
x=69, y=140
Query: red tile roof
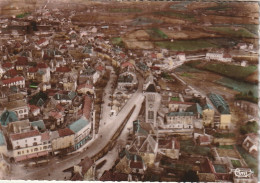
x=65, y=132
x=22, y=60
x=32, y=69
x=100, y=68
x=7, y=65
x=126, y=64
x=87, y=107
x=203, y=138
x=113, y=176
x=63, y=69
x=18, y=136
x=41, y=41
x=42, y=65
x=12, y=73
x=33, y=107
x=137, y=164
x=45, y=136
x=85, y=86
x=56, y=115
x=13, y=80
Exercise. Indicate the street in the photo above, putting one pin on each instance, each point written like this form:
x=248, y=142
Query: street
x=54, y=170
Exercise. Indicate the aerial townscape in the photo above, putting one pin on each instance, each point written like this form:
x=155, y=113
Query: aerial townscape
x=129, y=91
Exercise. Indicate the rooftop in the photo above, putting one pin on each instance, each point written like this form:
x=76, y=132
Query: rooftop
x=78, y=125
x=24, y=135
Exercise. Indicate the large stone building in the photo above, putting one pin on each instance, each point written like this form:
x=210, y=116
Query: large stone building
x=152, y=101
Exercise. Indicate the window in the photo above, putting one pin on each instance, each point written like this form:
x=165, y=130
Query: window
x=25, y=140
x=44, y=142
x=44, y=147
x=17, y=142
x=35, y=149
x=22, y=152
x=27, y=151
x=34, y=139
x=150, y=115
x=18, y=152
x=35, y=144
x=49, y=146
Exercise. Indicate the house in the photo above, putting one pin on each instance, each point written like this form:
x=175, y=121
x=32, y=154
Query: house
x=86, y=89
x=17, y=81
x=81, y=128
x=203, y=140
x=250, y=143
x=62, y=140
x=31, y=73
x=126, y=81
x=109, y=175
x=130, y=163
x=222, y=119
x=35, y=110
x=64, y=97
x=169, y=147
x=42, y=42
x=208, y=115
x=2, y=71
x=178, y=123
x=57, y=118
x=30, y=144
x=179, y=106
x=20, y=107
x=242, y=46
x=85, y=170
x=181, y=57
x=87, y=108
x=21, y=63
x=38, y=125
x=7, y=66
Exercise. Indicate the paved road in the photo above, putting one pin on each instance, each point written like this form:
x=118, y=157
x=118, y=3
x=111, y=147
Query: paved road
x=56, y=166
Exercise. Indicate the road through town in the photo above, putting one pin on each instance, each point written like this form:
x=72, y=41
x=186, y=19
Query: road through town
x=54, y=170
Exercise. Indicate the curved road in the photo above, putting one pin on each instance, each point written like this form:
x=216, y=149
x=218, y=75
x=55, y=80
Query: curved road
x=56, y=166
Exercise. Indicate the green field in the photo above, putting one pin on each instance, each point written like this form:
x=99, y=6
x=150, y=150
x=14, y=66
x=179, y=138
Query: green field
x=188, y=75
x=232, y=71
x=250, y=160
x=241, y=32
x=226, y=147
x=185, y=45
x=188, y=146
x=175, y=99
x=156, y=34
x=236, y=163
x=176, y=15
x=23, y=15
x=125, y=10
x=249, y=127
x=224, y=135
x=117, y=41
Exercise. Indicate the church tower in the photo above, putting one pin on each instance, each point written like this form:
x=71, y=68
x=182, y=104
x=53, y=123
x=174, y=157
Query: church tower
x=152, y=101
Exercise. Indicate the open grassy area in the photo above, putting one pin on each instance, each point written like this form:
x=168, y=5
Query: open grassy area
x=241, y=32
x=188, y=146
x=125, y=10
x=236, y=163
x=250, y=160
x=176, y=15
x=156, y=33
x=23, y=15
x=224, y=135
x=175, y=99
x=117, y=41
x=233, y=71
x=185, y=45
x=249, y=127
x=226, y=147
x=188, y=75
